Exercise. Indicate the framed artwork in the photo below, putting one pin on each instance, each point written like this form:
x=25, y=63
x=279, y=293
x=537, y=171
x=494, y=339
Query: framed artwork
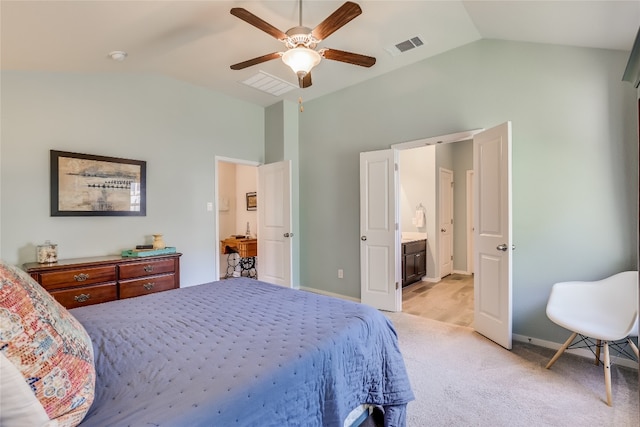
x=252, y=201
x=88, y=185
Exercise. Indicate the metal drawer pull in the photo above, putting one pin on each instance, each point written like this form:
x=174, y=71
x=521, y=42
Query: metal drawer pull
x=148, y=286
x=148, y=268
x=81, y=277
x=82, y=297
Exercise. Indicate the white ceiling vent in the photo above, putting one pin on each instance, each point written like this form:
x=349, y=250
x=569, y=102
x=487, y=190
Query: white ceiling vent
x=405, y=46
x=269, y=84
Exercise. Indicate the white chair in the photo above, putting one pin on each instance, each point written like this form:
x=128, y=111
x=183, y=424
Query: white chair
x=605, y=310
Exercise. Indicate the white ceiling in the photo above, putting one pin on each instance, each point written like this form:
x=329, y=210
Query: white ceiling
x=197, y=41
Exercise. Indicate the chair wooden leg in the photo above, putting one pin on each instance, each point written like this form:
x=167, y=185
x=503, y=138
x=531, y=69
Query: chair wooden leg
x=598, y=344
x=633, y=347
x=561, y=350
x=607, y=373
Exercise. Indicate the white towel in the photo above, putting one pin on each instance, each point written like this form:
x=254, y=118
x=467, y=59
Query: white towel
x=419, y=218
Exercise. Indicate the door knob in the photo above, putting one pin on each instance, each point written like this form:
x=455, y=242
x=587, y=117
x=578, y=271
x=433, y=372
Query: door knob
x=288, y=234
x=363, y=238
x=444, y=230
x=502, y=247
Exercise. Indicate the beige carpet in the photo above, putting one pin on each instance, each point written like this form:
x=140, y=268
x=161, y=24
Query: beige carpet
x=463, y=379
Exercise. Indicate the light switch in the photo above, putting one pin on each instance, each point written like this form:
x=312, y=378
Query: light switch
x=209, y=206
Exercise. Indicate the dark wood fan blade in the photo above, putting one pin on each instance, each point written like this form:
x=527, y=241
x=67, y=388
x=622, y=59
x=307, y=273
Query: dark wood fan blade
x=305, y=81
x=348, y=57
x=255, y=61
x=260, y=24
x=336, y=20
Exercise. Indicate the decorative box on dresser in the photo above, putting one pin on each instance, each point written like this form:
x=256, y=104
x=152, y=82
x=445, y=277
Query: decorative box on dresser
x=84, y=281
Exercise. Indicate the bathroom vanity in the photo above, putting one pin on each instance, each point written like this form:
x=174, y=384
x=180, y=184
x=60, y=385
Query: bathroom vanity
x=414, y=259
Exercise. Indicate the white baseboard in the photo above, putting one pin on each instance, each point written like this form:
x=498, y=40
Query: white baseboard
x=330, y=294
x=463, y=272
x=622, y=361
x=437, y=279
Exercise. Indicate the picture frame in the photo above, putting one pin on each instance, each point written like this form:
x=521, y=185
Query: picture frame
x=91, y=185
x=252, y=201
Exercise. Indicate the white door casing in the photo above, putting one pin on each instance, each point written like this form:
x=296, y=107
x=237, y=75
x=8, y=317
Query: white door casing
x=445, y=207
x=379, y=236
x=274, y=223
x=493, y=236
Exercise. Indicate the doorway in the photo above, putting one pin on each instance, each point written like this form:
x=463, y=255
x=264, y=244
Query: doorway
x=234, y=180
x=257, y=201
x=493, y=237
x=435, y=175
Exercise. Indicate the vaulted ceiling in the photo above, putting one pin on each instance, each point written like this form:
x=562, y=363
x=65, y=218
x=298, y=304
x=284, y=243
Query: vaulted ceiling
x=197, y=41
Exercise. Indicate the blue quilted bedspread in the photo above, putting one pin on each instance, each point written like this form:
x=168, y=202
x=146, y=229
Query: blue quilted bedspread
x=240, y=352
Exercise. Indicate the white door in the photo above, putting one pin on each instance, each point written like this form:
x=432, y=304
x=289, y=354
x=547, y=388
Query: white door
x=445, y=208
x=379, y=238
x=492, y=237
x=470, y=226
x=274, y=223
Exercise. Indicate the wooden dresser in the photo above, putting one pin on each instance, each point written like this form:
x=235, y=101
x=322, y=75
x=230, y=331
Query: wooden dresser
x=84, y=281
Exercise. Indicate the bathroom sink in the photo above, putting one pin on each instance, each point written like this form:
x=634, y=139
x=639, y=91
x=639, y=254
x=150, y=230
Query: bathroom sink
x=409, y=236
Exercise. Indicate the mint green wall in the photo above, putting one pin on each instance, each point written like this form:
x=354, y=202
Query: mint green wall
x=574, y=160
x=176, y=127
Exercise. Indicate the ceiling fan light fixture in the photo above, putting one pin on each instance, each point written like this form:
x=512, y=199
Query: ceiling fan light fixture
x=301, y=60
x=301, y=42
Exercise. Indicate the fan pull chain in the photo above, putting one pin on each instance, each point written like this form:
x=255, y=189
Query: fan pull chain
x=300, y=104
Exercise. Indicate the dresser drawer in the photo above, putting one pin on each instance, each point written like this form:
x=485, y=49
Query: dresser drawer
x=76, y=282
x=147, y=285
x=147, y=268
x=77, y=277
x=78, y=297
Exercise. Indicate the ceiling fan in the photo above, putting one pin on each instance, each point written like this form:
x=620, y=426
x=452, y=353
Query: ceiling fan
x=301, y=54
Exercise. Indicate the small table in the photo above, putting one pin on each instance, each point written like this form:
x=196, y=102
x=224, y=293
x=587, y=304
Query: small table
x=247, y=249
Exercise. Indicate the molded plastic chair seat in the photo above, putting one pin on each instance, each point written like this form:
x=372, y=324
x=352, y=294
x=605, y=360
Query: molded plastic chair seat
x=605, y=310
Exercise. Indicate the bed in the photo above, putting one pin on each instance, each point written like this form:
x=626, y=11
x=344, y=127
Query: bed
x=240, y=352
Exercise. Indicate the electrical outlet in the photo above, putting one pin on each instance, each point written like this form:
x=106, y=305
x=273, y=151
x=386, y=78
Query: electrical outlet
x=340, y=273
x=209, y=206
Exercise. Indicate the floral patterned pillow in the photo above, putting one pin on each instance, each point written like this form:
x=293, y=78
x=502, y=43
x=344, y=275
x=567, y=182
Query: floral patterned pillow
x=51, y=350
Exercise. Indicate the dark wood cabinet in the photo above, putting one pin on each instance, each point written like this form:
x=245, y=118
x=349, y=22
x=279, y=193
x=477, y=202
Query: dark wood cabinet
x=414, y=261
x=85, y=281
